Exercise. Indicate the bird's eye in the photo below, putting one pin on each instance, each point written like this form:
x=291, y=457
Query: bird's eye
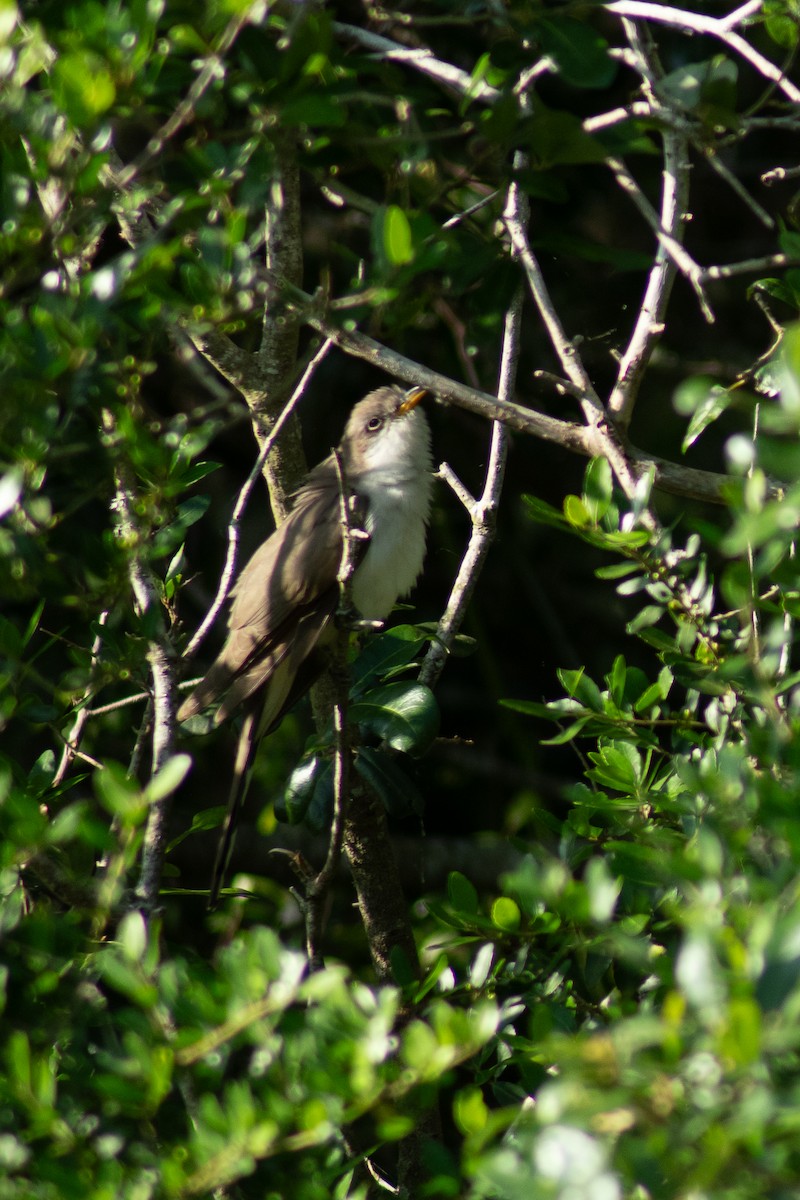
x=374, y=424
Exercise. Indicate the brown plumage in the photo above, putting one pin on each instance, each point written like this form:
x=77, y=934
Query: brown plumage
x=281, y=620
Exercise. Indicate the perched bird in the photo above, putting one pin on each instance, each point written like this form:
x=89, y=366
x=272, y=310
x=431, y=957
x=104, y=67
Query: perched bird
x=281, y=624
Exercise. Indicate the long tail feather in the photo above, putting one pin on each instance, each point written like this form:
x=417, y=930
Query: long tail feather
x=242, y=768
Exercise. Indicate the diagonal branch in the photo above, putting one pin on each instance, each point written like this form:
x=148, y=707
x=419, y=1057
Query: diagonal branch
x=719, y=27
x=229, y=569
x=482, y=512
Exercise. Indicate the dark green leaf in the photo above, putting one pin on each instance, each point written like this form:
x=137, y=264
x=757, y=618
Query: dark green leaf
x=461, y=894
x=579, y=52
x=404, y=715
x=383, y=773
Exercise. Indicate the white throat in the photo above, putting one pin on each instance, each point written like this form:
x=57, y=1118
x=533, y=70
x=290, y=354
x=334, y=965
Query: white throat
x=397, y=481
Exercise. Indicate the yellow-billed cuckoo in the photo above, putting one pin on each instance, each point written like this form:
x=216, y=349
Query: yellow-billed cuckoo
x=281, y=622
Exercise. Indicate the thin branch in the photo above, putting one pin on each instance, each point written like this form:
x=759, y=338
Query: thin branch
x=719, y=27
x=229, y=569
x=422, y=60
x=483, y=512
x=578, y=439
x=565, y=349
x=778, y=175
x=736, y=186
x=650, y=319
x=770, y=262
x=73, y=739
x=677, y=252
x=448, y=475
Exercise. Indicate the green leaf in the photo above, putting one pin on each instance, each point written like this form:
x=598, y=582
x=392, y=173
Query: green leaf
x=461, y=894
x=782, y=22
x=207, y=818
x=577, y=513
x=9, y=15
x=544, y=513
x=603, y=890
x=169, y=778
x=120, y=794
x=299, y=792
x=396, y=236
x=506, y=914
x=558, y=138
x=83, y=87
x=579, y=51
x=705, y=400
x=404, y=715
x=568, y=734
x=41, y=773
x=598, y=484
x=389, y=651
x=400, y=797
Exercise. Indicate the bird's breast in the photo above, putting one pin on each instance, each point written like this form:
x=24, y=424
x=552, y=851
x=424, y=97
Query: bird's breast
x=396, y=521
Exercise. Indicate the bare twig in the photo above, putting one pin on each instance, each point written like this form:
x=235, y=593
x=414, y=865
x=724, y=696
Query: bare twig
x=736, y=185
x=449, y=476
x=482, y=512
x=778, y=175
x=73, y=738
x=565, y=349
x=719, y=27
x=649, y=322
x=770, y=262
x=229, y=569
x=673, y=247
x=160, y=657
x=422, y=60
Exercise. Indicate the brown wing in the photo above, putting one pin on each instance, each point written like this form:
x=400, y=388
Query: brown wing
x=283, y=600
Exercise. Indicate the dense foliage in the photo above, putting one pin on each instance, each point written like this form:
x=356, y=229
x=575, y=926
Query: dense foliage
x=611, y=1012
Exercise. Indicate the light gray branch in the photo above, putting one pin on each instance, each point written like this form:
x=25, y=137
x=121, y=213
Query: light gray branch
x=565, y=349
x=579, y=439
x=422, y=60
x=719, y=27
x=666, y=239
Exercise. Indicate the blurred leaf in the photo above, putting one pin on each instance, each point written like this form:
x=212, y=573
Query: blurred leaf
x=168, y=779
x=558, y=138
x=395, y=235
x=597, y=488
x=84, y=87
x=704, y=401
x=580, y=53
